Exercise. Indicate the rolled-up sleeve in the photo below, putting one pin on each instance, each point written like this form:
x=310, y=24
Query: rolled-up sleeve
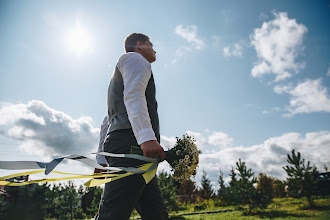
x=136, y=72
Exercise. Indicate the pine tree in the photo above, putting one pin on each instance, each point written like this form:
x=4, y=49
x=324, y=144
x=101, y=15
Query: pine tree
x=92, y=200
x=168, y=189
x=25, y=202
x=232, y=194
x=233, y=179
x=67, y=201
x=301, y=175
x=245, y=183
x=222, y=187
x=52, y=201
x=206, y=190
x=242, y=190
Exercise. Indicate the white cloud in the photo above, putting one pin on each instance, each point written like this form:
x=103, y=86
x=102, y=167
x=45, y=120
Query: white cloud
x=269, y=157
x=308, y=96
x=328, y=72
x=47, y=132
x=200, y=139
x=167, y=142
x=189, y=33
x=280, y=89
x=278, y=43
x=220, y=139
x=234, y=50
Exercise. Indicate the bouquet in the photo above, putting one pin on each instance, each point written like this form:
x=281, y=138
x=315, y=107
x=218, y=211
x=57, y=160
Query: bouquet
x=183, y=157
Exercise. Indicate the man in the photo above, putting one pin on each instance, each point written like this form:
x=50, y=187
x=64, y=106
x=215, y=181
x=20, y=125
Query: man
x=133, y=121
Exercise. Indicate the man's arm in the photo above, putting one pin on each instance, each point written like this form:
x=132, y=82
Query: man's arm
x=136, y=72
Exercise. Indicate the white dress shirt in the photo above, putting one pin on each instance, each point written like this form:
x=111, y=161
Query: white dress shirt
x=136, y=72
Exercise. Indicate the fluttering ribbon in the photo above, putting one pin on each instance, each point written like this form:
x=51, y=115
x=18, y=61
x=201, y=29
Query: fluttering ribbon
x=147, y=170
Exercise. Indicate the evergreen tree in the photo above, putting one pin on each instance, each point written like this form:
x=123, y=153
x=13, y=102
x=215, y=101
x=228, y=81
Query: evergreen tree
x=232, y=195
x=25, y=202
x=51, y=201
x=245, y=183
x=301, y=176
x=242, y=188
x=38, y=201
x=43, y=201
x=70, y=196
x=168, y=189
x=18, y=204
x=206, y=191
x=222, y=187
x=66, y=201
x=92, y=200
x=233, y=179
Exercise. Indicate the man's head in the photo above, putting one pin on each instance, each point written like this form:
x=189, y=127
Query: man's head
x=140, y=43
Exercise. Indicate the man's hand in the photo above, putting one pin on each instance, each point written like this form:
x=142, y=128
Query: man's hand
x=98, y=171
x=153, y=149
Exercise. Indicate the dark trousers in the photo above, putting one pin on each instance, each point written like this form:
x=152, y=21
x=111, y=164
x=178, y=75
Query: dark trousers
x=121, y=196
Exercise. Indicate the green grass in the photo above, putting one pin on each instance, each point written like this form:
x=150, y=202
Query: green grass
x=286, y=208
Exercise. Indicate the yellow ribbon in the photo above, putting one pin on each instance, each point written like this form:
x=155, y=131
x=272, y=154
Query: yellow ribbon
x=111, y=176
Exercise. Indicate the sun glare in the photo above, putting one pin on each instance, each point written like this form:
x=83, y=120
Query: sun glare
x=78, y=40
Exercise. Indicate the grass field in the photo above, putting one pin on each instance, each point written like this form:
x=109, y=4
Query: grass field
x=285, y=208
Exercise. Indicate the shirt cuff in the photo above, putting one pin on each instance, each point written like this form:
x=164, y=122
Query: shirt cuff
x=144, y=135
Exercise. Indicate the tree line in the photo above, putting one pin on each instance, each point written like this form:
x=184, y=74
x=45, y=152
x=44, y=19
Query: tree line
x=244, y=189
x=46, y=201
x=252, y=192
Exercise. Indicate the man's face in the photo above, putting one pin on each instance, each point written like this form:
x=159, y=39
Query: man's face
x=147, y=51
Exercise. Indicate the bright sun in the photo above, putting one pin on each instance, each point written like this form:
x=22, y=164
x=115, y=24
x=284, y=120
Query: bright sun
x=78, y=40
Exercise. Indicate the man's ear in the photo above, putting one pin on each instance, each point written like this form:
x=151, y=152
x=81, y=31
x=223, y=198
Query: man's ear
x=138, y=45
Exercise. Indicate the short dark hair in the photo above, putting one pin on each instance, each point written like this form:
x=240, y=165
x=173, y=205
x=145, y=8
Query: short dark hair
x=132, y=39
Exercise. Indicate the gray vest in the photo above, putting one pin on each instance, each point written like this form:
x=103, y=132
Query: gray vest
x=117, y=114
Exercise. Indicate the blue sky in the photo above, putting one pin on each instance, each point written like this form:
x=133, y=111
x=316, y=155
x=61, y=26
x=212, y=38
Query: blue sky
x=249, y=79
